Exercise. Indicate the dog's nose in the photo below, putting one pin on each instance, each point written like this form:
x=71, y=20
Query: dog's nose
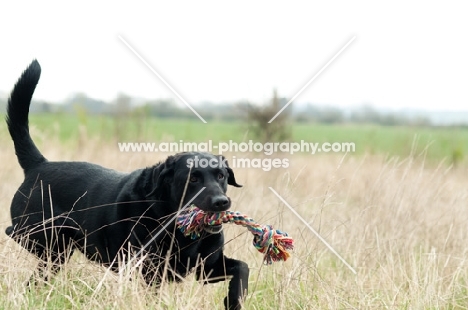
x=220, y=203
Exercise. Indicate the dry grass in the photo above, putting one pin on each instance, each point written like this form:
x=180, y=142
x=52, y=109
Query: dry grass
x=403, y=227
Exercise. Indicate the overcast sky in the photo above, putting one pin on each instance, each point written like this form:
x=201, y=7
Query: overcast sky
x=405, y=54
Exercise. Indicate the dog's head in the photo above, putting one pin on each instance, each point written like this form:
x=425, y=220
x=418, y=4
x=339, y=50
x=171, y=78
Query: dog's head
x=201, y=175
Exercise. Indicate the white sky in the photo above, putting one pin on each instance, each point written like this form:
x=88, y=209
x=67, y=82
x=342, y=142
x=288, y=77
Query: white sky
x=406, y=54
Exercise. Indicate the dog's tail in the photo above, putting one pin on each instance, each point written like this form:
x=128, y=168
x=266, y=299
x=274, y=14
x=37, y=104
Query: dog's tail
x=17, y=117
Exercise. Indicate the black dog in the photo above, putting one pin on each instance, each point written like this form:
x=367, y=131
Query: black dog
x=105, y=214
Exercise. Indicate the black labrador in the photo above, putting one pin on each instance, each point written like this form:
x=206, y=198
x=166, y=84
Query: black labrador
x=109, y=215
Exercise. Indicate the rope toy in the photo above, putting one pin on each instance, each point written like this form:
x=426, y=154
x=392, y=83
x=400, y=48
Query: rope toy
x=271, y=242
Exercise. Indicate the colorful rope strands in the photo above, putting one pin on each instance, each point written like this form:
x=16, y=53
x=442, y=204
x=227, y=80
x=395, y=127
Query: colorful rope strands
x=273, y=243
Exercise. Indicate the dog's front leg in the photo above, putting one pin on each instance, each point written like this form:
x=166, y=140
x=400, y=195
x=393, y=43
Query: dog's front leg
x=238, y=271
x=238, y=285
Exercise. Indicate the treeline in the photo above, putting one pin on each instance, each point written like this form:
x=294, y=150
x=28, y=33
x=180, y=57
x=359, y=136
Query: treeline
x=124, y=105
x=365, y=114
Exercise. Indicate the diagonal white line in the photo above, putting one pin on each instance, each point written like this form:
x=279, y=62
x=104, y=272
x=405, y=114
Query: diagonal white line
x=312, y=79
x=313, y=230
x=161, y=78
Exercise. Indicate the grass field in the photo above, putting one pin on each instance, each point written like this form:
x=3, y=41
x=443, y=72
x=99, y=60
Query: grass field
x=398, y=219
x=449, y=144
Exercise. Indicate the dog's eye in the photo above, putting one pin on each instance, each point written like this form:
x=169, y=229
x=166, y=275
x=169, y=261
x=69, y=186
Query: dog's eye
x=220, y=176
x=193, y=179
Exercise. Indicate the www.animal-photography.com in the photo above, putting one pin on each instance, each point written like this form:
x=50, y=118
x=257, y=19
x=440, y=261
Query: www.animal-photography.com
x=206, y=155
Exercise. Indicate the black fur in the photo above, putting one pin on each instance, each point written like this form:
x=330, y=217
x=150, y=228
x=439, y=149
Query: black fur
x=67, y=206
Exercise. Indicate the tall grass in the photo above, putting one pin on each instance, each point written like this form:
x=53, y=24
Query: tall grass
x=402, y=224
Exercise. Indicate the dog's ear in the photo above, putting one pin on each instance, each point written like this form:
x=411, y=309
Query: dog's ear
x=162, y=173
x=231, y=177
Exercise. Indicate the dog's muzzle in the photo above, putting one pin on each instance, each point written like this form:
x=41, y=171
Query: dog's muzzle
x=213, y=229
